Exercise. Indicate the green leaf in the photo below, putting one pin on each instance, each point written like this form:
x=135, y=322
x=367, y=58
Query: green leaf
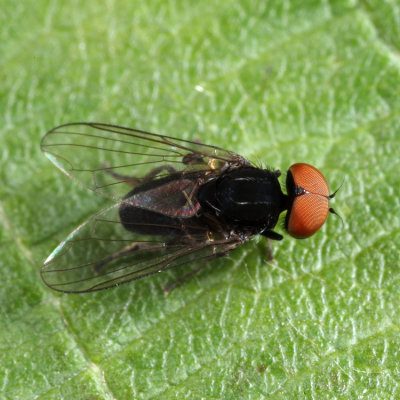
x=278, y=82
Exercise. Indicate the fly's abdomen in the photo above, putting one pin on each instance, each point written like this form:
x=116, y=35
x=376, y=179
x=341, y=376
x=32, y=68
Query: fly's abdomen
x=162, y=208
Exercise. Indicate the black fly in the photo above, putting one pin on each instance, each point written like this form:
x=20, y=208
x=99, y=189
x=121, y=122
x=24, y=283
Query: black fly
x=189, y=203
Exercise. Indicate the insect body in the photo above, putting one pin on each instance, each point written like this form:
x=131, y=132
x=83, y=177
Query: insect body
x=189, y=203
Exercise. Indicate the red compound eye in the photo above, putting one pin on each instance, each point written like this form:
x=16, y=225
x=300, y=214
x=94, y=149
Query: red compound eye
x=308, y=193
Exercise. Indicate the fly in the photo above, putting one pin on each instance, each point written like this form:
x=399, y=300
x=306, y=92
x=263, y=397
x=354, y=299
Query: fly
x=188, y=203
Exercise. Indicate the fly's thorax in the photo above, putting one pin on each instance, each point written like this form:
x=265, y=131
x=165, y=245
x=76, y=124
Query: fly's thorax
x=247, y=196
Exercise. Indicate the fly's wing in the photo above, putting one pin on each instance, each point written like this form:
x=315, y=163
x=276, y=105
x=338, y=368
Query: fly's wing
x=106, y=157
x=101, y=254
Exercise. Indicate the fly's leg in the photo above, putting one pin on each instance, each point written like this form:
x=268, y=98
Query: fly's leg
x=187, y=276
x=133, y=181
x=271, y=235
x=188, y=159
x=270, y=255
x=183, y=278
x=132, y=248
x=192, y=159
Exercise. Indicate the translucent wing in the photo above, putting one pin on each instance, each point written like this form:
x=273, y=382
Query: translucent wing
x=101, y=254
x=104, y=157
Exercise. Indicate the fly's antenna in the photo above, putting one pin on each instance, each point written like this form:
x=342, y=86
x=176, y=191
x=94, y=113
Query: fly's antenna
x=331, y=196
x=332, y=210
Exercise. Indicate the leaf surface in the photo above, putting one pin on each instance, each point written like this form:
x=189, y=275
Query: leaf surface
x=277, y=82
